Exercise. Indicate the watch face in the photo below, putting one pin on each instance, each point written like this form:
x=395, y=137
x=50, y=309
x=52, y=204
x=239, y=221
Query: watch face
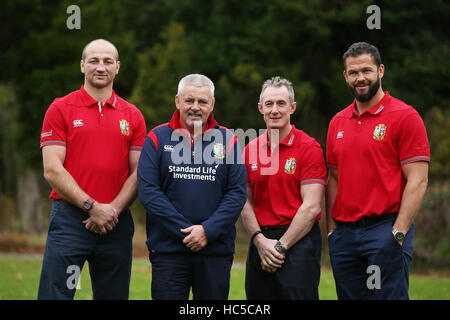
x=280, y=248
x=87, y=205
x=399, y=236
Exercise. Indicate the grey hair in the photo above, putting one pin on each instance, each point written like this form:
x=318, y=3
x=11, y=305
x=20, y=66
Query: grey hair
x=277, y=81
x=196, y=80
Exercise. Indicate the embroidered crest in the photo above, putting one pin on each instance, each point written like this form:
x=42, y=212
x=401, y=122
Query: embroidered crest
x=379, y=132
x=219, y=150
x=125, y=127
x=290, y=165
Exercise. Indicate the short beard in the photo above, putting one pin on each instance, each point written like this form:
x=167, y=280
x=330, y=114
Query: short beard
x=194, y=123
x=364, y=97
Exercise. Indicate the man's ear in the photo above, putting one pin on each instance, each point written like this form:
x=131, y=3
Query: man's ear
x=177, y=101
x=381, y=70
x=260, y=108
x=344, y=73
x=118, y=66
x=293, y=107
x=213, y=104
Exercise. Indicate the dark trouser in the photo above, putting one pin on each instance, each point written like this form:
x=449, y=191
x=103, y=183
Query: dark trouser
x=297, y=279
x=69, y=245
x=368, y=263
x=173, y=275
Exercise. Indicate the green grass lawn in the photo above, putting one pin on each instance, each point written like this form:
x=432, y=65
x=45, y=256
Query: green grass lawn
x=19, y=279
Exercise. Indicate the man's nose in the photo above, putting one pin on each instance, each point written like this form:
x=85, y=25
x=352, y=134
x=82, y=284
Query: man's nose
x=360, y=77
x=101, y=66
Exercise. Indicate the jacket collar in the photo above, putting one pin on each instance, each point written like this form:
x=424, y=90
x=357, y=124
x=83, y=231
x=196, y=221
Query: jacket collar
x=175, y=122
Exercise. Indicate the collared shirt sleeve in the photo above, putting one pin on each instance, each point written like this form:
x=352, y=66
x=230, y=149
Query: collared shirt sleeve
x=412, y=141
x=54, y=129
x=312, y=166
x=139, y=132
x=331, y=155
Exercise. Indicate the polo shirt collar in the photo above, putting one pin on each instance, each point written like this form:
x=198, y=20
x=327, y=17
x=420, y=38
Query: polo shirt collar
x=375, y=110
x=88, y=101
x=288, y=141
x=175, y=122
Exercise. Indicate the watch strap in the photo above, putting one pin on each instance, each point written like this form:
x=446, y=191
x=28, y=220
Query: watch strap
x=254, y=235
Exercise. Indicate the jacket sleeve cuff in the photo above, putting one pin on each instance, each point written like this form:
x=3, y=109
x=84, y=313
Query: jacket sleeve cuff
x=210, y=231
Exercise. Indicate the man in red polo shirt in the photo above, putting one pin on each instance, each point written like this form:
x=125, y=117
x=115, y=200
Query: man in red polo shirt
x=377, y=155
x=286, y=178
x=91, y=141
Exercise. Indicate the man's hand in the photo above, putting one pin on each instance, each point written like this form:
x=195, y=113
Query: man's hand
x=103, y=217
x=271, y=259
x=196, y=238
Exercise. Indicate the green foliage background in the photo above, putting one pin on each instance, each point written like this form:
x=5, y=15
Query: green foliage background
x=238, y=44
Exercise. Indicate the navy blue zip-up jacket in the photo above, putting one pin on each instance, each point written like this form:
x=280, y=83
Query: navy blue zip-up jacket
x=183, y=182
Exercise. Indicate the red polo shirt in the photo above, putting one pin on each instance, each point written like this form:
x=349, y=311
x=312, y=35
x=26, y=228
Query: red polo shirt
x=369, y=151
x=275, y=178
x=97, y=138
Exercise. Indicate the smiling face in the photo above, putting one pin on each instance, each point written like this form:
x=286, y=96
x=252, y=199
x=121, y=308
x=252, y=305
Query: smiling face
x=363, y=77
x=99, y=64
x=276, y=107
x=195, y=105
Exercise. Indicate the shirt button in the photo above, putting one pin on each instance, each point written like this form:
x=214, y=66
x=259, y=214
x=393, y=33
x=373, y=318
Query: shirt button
x=359, y=122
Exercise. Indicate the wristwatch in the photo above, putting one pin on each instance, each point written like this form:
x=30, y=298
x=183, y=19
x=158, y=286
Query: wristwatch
x=88, y=205
x=398, y=235
x=254, y=235
x=280, y=247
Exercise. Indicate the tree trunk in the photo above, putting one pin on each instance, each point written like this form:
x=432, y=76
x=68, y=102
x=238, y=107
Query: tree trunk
x=30, y=202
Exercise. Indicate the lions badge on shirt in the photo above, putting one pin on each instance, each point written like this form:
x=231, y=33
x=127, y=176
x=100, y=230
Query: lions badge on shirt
x=219, y=150
x=290, y=165
x=124, y=127
x=379, y=132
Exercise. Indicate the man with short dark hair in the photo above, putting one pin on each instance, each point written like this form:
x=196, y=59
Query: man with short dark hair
x=91, y=141
x=286, y=178
x=191, y=181
x=377, y=156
